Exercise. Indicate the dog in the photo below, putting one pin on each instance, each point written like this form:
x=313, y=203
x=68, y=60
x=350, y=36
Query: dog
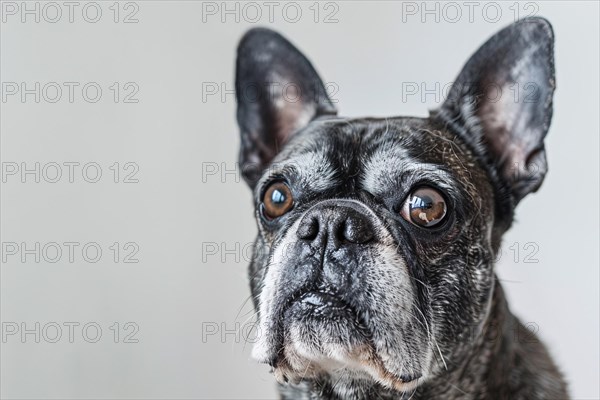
x=373, y=269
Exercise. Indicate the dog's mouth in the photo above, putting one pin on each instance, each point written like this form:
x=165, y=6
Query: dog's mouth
x=323, y=305
x=322, y=332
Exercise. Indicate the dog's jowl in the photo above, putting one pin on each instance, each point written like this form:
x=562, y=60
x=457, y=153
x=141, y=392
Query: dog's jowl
x=373, y=273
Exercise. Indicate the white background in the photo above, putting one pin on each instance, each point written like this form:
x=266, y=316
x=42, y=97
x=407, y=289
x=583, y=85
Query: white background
x=178, y=291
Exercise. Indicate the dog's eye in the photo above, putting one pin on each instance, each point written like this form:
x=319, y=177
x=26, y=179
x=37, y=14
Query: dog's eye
x=424, y=207
x=277, y=200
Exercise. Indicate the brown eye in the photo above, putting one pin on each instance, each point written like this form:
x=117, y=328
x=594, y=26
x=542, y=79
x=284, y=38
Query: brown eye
x=277, y=200
x=424, y=207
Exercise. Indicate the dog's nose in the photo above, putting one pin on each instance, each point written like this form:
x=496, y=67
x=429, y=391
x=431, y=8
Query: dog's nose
x=336, y=223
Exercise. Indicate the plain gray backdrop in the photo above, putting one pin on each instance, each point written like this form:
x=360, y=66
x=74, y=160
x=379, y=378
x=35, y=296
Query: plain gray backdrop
x=177, y=323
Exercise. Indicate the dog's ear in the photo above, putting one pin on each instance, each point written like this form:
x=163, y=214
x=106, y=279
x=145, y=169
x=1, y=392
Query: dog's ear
x=278, y=92
x=501, y=103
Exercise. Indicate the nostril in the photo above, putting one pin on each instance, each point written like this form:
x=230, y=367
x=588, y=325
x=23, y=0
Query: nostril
x=308, y=229
x=357, y=230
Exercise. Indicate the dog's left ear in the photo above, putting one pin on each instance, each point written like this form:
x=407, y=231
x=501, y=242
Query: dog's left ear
x=501, y=103
x=278, y=92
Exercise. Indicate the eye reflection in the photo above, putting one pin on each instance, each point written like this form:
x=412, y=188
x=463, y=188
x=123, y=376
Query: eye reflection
x=277, y=200
x=425, y=207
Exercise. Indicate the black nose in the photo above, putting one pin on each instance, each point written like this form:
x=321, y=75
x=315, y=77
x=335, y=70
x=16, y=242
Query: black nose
x=336, y=223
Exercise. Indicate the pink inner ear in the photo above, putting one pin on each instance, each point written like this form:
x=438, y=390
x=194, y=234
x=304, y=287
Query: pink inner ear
x=292, y=108
x=506, y=126
x=499, y=115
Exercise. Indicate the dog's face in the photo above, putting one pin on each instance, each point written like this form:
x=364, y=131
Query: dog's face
x=374, y=259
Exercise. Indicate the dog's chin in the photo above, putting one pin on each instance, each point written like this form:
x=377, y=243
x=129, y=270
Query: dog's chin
x=324, y=336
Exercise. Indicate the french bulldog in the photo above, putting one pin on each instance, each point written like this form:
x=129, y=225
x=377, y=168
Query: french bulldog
x=373, y=269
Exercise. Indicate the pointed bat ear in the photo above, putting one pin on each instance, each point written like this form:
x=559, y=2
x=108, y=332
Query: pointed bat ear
x=278, y=92
x=501, y=103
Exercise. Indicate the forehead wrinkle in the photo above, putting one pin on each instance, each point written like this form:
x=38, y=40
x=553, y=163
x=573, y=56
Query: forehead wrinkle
x=383, y=167
x=392, y=165
x=314, y=169
x=310, y=168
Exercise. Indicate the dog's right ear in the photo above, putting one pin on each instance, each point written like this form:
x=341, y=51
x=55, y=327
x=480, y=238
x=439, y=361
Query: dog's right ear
x=278, y=92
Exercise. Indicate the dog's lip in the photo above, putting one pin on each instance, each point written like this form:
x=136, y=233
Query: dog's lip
x=324, y=306
x=323, y=299
x=327, y=299
x=295, y=297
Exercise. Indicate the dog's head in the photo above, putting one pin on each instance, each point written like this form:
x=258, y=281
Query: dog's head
x=374, y=259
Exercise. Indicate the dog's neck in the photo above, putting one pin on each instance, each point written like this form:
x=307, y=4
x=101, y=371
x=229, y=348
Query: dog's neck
x=478, y=371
